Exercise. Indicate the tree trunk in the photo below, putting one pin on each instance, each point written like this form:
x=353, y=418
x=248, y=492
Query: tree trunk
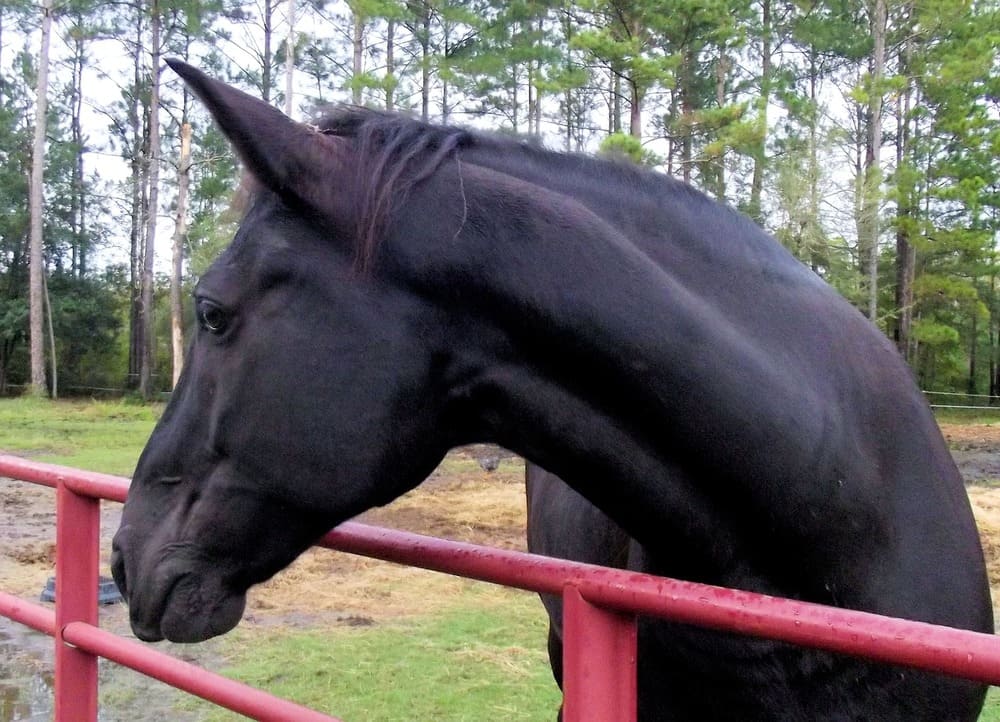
x=635, y=109
x=615, y=108
x=136, y=121
x=671, y=132
x=760, y=153
x=687, y=111
x=267, y=60
x=530, y=66
x=78, y=203
x=425, y=63
x=538, y=91
x=873, y=148
x=992, y=337
x=970, y=386
x=177, y=265
x=446, y=41
x=861, y=123
x=289, y=65
x=53, y=360
x=905, y=252
x=153, y=160
x=722, y=68
x=390, y=66
x=814, y=169
x=36, y=265
x=357, y=66
x=515, y=109
x=567, y=31
x=5, y=350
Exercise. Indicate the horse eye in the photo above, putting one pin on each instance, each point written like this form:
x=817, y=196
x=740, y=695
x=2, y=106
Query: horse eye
x=212, y=317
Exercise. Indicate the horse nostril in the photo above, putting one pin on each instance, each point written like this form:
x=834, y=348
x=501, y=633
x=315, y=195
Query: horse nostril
x=118, y=572
x=118, y=563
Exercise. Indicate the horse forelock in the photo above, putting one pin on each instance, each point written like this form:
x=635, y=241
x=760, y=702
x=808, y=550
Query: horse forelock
x=392, y=153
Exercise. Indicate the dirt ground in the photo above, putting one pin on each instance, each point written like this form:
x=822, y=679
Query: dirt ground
x=976, y=450
x=462, y=500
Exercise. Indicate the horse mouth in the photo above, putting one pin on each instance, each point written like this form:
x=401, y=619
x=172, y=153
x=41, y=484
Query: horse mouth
x=191, y=609
x=196, y=608
x=181, y=605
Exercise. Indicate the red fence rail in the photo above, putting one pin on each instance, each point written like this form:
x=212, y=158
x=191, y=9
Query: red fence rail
x=601, y=608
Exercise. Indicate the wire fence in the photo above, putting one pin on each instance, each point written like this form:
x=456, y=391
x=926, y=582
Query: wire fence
x=96, y=392
x=960, y=400
x=954, y=400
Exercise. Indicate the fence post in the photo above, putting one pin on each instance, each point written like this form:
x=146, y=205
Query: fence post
x=78, y=525
x=599, y=662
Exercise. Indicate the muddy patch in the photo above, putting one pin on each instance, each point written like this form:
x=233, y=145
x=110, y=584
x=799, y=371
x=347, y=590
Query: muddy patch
x=976, y=450
x=25, y=674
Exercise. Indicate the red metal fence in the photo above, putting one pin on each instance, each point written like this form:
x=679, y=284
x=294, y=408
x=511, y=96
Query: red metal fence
x=601, y=607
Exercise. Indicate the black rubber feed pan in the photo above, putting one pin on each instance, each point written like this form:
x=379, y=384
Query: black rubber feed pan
x=107, y=591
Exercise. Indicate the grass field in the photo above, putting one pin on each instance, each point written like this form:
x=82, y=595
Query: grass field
x=991, y=710
x=92, y=435
x=430, y=648
x=480, y=660
x=987, y=416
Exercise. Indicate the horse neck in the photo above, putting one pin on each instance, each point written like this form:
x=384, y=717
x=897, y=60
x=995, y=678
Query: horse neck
x=568, y=174
x=613, y=368
x=659, y=214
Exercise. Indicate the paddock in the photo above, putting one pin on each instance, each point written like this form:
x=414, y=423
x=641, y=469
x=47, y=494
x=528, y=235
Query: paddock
x=602, y=608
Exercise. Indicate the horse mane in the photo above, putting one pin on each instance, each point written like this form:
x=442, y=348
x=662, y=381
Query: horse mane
x=394, y=153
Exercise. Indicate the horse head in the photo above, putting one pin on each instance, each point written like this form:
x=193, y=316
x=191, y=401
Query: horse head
x=307, y=395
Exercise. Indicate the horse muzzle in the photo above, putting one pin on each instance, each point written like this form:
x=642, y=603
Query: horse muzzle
x=174, y=597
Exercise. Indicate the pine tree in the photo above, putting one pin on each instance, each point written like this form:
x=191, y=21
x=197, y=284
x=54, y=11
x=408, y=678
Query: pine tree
x=957, y=147
x=36, y=189
x=629, y=40
x=152, y=160
x=16, y=124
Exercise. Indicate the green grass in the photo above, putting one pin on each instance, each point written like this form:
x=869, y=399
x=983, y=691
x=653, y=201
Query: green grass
x=92, y=435
x=988, y=415
x=476, y=661
x=991, y=710
x=481, y=656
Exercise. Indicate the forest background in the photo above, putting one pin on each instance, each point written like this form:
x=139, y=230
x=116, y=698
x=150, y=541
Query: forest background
x=864, y=134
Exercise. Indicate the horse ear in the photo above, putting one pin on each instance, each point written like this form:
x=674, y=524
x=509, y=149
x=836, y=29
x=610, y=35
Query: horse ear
x=288, y=157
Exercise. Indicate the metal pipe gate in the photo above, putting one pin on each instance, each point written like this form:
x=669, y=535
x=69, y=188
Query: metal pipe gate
x=601, y=607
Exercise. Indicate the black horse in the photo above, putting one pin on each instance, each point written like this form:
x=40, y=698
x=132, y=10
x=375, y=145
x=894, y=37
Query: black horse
x=397, y=289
